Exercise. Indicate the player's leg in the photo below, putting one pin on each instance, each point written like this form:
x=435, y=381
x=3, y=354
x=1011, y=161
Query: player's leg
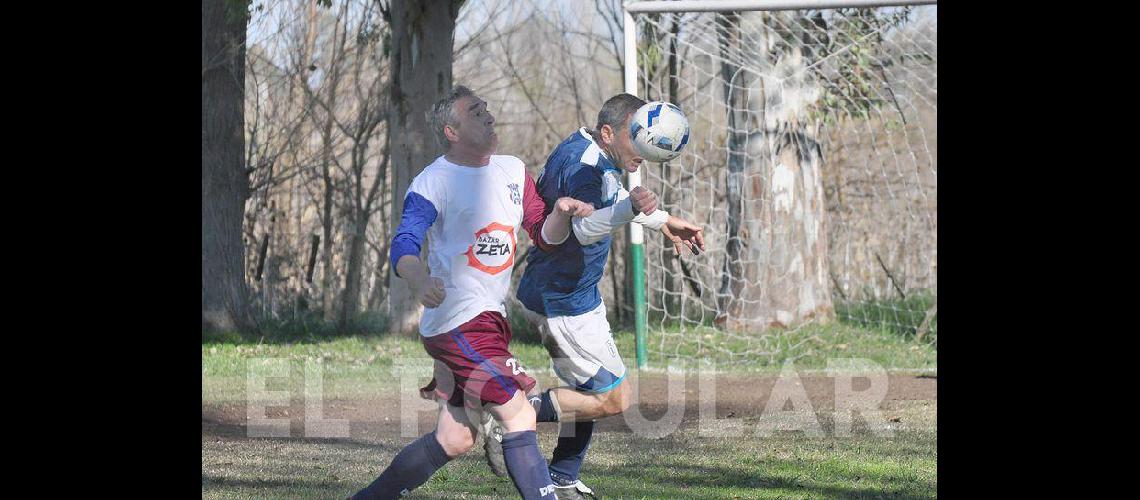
x=586, y=359
x=492, y=431
x=496, y=380
x=586, y=373
x=584, y=356
x=454, y=435
x=574, y=405
x=492, y=434
x=524, y=461
x=488, y=427
x=574, y=439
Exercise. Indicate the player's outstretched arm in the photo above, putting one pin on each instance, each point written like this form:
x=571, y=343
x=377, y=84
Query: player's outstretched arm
x=639, y=205
x=557, y=226
x=682, y=232
x=549, y=230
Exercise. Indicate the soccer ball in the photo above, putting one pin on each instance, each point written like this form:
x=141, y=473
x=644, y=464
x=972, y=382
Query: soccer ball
x=659, y=131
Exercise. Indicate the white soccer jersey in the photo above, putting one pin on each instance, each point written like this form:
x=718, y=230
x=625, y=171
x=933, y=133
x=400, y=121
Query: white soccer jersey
x=472, y=217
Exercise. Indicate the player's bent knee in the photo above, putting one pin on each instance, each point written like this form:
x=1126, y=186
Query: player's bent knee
x=623, y=396
x=616, y=401
x=515, y=415
x=456, y=442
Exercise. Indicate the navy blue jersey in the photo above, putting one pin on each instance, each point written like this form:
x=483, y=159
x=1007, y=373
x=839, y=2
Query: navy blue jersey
x=563, y=281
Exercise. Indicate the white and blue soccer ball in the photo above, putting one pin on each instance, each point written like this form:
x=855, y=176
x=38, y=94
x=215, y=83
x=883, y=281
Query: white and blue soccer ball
x=660, y=131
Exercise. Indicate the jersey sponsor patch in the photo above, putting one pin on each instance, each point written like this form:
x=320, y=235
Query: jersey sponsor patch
x=515, y=196
x=493, y=249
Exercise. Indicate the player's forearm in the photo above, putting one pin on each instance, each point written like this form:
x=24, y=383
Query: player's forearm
x=655, y=220
x=419, y=214
x=603, y=222
x=556, y=228
x=412, y=269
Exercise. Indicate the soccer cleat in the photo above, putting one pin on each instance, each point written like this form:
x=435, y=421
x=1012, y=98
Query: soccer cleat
x=493, y=444
x=574, y=491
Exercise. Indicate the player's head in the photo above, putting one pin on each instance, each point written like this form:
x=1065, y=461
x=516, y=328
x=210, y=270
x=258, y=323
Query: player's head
x=613, y=128
x=461, y=119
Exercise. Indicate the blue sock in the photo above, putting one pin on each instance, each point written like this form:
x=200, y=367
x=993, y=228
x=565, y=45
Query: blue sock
x=412, y=467
x=544, y=407
x=526, y=465
x=567, y=458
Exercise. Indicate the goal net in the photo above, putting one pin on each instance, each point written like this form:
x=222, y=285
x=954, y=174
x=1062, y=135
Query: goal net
x=811, y=167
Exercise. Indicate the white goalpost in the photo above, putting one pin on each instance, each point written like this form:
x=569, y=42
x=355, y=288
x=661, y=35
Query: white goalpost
x=812, y=167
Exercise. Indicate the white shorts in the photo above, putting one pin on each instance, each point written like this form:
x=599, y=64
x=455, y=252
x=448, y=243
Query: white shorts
x=582, y=349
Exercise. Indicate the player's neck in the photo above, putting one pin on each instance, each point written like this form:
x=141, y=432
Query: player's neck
x=468, y=158
x=607, y=152
x=597, y=136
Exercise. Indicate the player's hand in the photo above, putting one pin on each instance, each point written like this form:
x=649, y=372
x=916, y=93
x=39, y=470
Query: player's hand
x=429, y=292
x=682, y=232
x=643, y=200
x=573, y=208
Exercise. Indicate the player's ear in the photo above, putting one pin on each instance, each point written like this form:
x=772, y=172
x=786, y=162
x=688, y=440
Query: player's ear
x=451, y=134
x=607, y=133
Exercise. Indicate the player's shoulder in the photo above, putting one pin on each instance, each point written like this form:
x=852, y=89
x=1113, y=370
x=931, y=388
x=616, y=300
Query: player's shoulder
x=511, y=167
x=577, y=152
x=432, y=176
x=508, y=162
x=436, y=168
x=587, y=154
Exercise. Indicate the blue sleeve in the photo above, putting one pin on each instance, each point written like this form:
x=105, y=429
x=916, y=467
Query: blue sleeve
x=584, y=184
x=419, y=214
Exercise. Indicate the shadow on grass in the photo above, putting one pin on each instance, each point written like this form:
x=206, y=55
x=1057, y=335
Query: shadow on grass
x=228, y=431
x=677, y=480
x=646, y=468
x=287, y=485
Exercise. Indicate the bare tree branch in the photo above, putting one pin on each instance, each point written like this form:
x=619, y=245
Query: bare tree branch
x=539, y=111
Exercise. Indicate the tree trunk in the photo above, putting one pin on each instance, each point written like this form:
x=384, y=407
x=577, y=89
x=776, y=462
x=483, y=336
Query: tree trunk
x=781, y=273
x=731, y=281
x=328, y=293
x=379, y=280
x=225, y=185
x=786, y=274
x=671, y=302
x=331, y=88
x=422, y=39
x=350, y=306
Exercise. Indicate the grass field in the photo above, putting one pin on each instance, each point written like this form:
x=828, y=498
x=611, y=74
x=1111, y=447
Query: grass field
x=723, y=456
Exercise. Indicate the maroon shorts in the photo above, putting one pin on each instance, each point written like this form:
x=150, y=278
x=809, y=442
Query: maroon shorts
x=473, y=364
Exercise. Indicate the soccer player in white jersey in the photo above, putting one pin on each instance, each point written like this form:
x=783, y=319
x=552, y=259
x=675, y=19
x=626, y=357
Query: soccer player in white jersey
x=559, y=287
x=472, y=203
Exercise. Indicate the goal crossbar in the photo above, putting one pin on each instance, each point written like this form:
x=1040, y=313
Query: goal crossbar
x=748, y=5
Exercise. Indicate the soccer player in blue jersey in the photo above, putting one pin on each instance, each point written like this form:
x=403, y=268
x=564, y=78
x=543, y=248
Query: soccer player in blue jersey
x=472, y=203
x=559, y=287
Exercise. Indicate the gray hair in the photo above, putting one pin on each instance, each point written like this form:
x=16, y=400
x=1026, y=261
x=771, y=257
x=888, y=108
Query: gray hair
x=617, y=109
x=443, y=113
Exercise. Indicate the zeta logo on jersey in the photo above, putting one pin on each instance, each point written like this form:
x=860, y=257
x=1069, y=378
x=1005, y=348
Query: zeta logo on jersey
x=494, y=249
x=515, y=196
